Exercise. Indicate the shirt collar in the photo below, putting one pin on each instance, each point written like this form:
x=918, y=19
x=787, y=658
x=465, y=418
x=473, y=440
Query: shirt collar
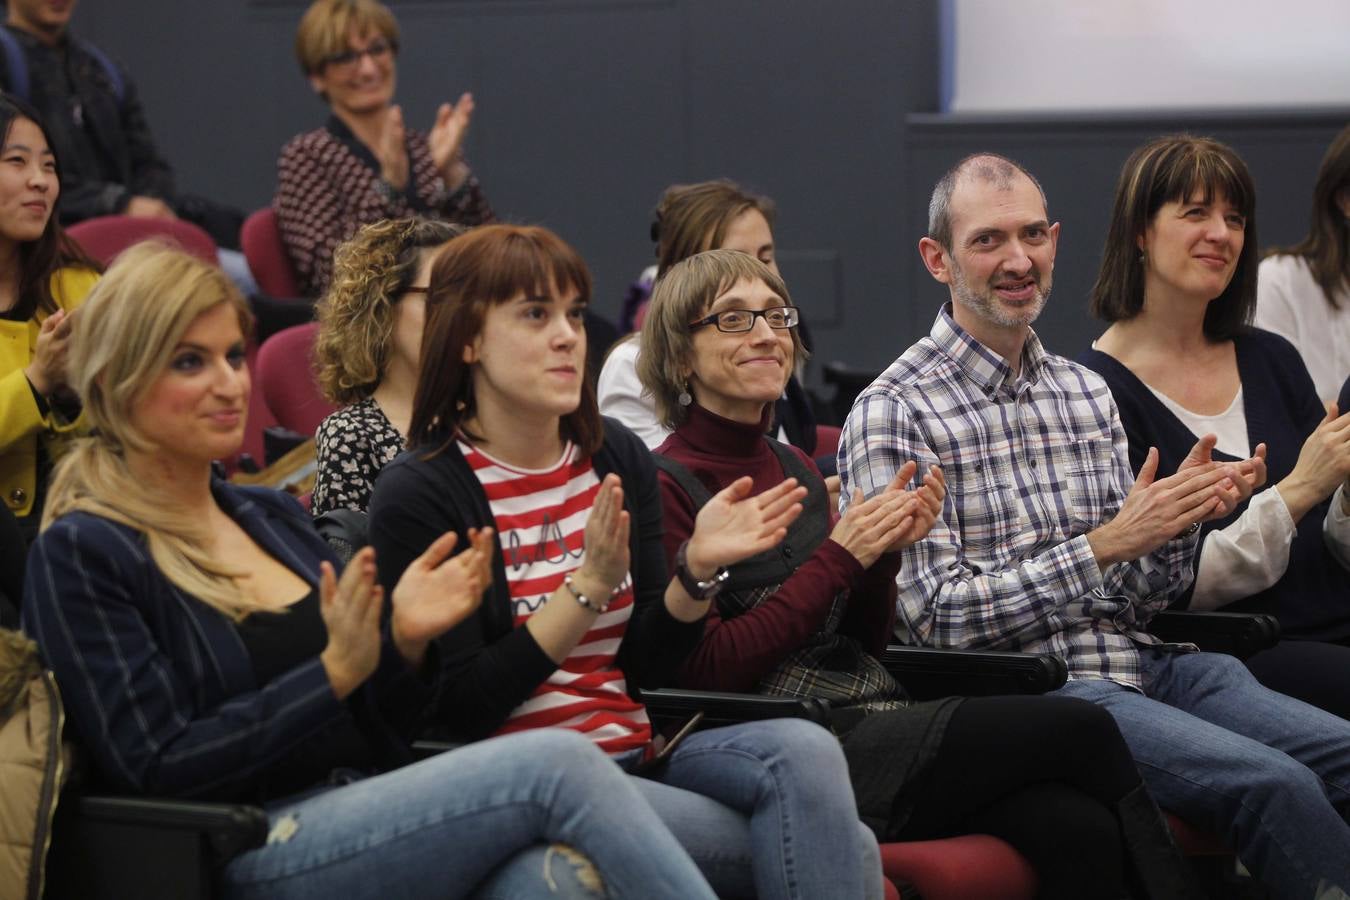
x=981, y=364
x=338, y=129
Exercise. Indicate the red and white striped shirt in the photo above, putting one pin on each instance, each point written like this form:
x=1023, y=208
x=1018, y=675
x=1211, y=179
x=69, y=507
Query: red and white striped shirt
x=541, y=522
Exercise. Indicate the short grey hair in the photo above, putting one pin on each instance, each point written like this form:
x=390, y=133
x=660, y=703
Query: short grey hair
x=987, y=167
x=685, y=293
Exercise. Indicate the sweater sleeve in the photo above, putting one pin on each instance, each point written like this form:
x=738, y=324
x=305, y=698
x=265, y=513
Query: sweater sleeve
x=486, y=670
x=736, y=654
x=89, y=590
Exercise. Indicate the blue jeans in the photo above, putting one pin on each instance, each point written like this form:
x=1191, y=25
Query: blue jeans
x=766, y=810
x=440, y=828
x=1269, y=773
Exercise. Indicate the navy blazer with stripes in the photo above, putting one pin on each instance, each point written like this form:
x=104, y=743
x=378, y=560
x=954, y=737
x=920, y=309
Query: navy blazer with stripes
x=160, y=687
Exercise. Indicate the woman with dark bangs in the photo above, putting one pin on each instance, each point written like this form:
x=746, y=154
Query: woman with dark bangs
x=581, y=613
x=44, y=276
x=1178, y=285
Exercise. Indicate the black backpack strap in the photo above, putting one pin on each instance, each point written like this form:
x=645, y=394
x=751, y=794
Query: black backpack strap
x=16, y=65
x=688, y=482
x=119, y=84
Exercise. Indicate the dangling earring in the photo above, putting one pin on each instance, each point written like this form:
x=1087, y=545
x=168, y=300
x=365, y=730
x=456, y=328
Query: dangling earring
x=684, y=399
x=1143, y=257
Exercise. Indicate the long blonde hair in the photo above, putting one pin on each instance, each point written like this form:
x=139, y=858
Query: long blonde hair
x=123, y=338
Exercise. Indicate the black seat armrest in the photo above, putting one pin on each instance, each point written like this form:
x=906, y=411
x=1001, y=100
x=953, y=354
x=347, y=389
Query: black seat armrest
x=114, y=847
x=669, y=706
x=927, y=673
x=1237, y=634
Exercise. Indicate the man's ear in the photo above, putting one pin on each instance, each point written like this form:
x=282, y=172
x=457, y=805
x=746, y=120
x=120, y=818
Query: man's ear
x=935, y=259
x=1054, y=243
x=316, y=84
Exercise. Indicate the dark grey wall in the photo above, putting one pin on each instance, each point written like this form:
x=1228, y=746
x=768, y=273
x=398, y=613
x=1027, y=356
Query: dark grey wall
x=588, y=108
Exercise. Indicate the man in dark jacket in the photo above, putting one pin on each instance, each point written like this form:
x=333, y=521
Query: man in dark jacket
x=97, y=126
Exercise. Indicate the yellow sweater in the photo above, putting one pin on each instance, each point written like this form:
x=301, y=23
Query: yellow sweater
x=22, y=424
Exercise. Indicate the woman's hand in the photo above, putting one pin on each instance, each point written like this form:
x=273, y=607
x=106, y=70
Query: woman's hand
x=1158, y=509
x=606, y=563
x=733, y=526
x=446, y=140
x=1323, y=464
x=351, y=612
x=870, y=528
x=436, y=592
x=392, y=150
x=1247, y=474
x=930, y=496
x=47, y=370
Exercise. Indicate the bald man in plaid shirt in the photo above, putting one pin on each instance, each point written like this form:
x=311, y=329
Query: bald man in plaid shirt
x=1049, y=544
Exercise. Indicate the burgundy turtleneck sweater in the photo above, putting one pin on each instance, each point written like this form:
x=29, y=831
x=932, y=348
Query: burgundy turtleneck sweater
x=735, y=654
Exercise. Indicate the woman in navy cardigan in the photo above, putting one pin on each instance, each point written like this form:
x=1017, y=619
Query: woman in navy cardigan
x=206, y=647
x=1177, y=284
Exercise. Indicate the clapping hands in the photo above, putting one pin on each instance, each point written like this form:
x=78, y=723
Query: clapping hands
x=437, y=592
x=893, y=519
x=733, y=526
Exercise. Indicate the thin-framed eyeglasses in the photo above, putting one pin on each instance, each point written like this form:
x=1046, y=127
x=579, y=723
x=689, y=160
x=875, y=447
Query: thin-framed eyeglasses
x=378, y=51
x=736, y=321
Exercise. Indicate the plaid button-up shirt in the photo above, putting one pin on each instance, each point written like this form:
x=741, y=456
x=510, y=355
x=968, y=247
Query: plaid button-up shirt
x=1033, y=462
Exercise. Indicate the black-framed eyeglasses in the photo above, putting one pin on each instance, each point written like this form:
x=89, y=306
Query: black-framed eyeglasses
x=735, y=321
x=378, y=51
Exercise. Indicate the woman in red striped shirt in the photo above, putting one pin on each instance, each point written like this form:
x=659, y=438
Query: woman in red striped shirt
x=506, y=434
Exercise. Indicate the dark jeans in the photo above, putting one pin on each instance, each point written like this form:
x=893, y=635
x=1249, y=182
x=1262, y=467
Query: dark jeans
x=1312, y=671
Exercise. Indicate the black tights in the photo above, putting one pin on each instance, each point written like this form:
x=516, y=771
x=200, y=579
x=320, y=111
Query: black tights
x=1043, y=774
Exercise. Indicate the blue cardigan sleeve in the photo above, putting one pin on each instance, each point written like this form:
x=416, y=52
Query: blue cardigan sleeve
x=142, y=680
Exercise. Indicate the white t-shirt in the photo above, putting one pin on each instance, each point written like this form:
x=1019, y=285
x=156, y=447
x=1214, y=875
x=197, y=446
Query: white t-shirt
x=1291, y=304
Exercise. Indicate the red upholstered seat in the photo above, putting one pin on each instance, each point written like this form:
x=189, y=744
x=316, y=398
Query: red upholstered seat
x=827, y=440
x=960, y=868
x=286, y=377
x=1194, y=842
x=106, y=236
x=260, y=239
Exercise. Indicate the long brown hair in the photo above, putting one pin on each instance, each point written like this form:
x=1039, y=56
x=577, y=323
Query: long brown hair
x=54, y=250
x=1172, y=169
x=1327, y=246
x=691, y=218
x=489, y=265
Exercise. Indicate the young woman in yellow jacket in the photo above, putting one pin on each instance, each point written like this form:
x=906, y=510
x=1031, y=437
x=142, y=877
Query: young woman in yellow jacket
x=44, y=277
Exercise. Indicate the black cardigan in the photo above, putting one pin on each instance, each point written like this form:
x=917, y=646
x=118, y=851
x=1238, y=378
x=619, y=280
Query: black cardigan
x=489, y=667
x=1312, y=598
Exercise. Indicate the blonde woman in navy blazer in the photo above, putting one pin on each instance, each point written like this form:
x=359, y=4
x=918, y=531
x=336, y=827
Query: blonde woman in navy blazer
x=206, y=646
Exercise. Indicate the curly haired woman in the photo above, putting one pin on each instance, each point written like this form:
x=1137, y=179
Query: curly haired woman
x=366, y=355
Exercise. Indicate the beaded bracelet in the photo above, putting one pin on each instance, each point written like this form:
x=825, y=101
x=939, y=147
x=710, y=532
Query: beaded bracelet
x=582, y=598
